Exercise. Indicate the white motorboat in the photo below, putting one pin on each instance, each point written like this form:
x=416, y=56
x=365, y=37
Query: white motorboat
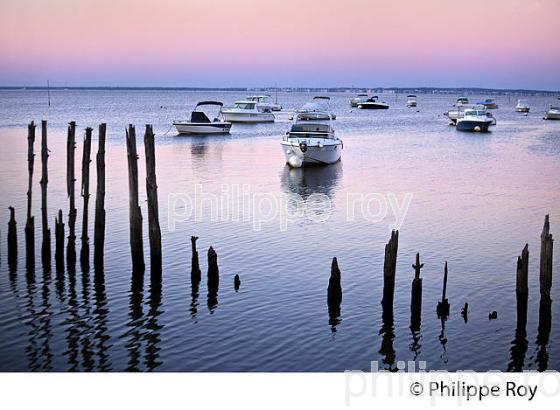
x=459, y=112
x=553, y=113
x=200, y=124
x=373, y=103
x=411, y=101
x=247, y=111
x=489, y=104
x=356, y=100
x=311, y=143
x=522, y=106
x=317, y=109
x=474, y=120
x=462, y=101
x=264, y=102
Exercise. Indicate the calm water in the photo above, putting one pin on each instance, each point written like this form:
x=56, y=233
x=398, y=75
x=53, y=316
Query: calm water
x=476, y=201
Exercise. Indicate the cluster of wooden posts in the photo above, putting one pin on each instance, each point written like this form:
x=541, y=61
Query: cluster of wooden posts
x=136, y=241
x=334, y=291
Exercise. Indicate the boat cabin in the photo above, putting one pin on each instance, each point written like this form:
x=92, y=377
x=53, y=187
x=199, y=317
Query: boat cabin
x=311, y=130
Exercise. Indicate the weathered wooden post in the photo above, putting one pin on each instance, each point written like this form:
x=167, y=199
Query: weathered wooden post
x=30, y=222
x=46, y=245
x=12, y=238
x=522, y=286
x=546, y=259
x=135, y=213
x=59, y=241
x=99, y=231
x=334, y=292
x=443, y=306
x=153, y=213
x=86, y=159
x=389, y=269
x=236, y=282
x=213, y=279
x=71, y=191
x=416, y=296
x=195, y=267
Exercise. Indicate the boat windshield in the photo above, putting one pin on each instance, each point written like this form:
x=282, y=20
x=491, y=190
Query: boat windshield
x=311, y=128
x=245, y=105
x=475, y=113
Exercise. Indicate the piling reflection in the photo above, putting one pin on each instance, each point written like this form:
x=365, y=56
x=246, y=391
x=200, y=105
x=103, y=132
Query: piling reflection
x=519, y=345
x=136, y=321
x=543, y=335
x=387, y=333
x=101, y=330
x=153, y=336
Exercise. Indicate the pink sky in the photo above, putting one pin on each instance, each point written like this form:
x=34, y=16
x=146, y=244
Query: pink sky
x=489, y=43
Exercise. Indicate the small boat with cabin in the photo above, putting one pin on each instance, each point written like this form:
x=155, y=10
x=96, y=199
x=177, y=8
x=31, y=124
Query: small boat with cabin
x=411, y=101
x=522, y=106
x=317, y=109
x=247, y=112
x=474, y=120
x=373, y=103
x=356, y=100
x=200, y=124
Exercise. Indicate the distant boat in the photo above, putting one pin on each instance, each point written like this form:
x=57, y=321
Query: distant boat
x=264, y=102
x=489, y=104
x=373, y=104
x=200, y=124
x=317, y=109
x=311, y=143
x=247, y=112
x=411, y=100
x=462, y=101
x=522, y=106
x=474, y=120
x=459, y=112
x=356, y=100
x=553, y=113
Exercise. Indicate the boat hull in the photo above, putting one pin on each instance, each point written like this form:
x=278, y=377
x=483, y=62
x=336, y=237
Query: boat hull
x=192, y=128
x=373, y=106
x=411, y=104
x=552, y=116
x=522, y=109
x=248, y=117
x=473, y=126
x=312, y=155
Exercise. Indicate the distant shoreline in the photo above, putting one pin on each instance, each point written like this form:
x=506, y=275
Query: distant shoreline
x=398, y=90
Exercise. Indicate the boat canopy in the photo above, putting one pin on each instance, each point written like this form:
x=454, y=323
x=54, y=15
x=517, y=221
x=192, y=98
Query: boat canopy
x=209, y=103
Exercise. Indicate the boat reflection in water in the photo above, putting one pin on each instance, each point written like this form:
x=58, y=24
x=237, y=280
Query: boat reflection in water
x=312, y=180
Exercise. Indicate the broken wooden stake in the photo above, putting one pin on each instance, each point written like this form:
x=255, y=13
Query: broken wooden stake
x=46, y=244
x=59, y=241
x=153, y=212
x=135, y=213
x=389, y=269
x=546, y=259
x=71, y=192
x=195, y=267
x=86, y=159
x=443, y=306
x=416, y=295
x=334, y=290
x=12, y=238
x=236, y=282
x=522, y=287
x=30, y=221
x=99, y=230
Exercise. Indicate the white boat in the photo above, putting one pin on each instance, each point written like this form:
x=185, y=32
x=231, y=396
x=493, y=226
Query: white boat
x=264, y=102
x=489, y=104
x=553, y=113
x=411, y=100
x=474, y=120
x=311, y=143
x=459, y=112
x=522, y=106
x=356, y=100
x=373, y=104
x=462, y=101
x=247, y=111
x=200, y=124
x=317, y=109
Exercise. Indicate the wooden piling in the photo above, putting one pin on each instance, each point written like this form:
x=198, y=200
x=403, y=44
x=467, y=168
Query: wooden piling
x=30, y=221
x=522, y=288
x=71, y=192
x=99, y=231
x=46, y=244
x=12, y=238
x=153, y=212
x=135, y=214
x=389, y=269
x=334, y=290
x=59, y=241
x=416, y=295
x=546, y=259
x=195, y=266
x=236, y=282
x=213, y=270
x=86, y=159
x=443, y=305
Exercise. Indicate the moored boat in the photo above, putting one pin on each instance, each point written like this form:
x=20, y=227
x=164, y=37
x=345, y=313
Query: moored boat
x=356, y=100
x=459, y=112
x=411, y=100
x=316, y=109
x=247, y=112
x=488, y=104
x=553, y=113
x=311, y=143
x=200, y=124
x=522, y=106
x=264, y=102
x=373, y=103
x=474, y=120
x=462, y=101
